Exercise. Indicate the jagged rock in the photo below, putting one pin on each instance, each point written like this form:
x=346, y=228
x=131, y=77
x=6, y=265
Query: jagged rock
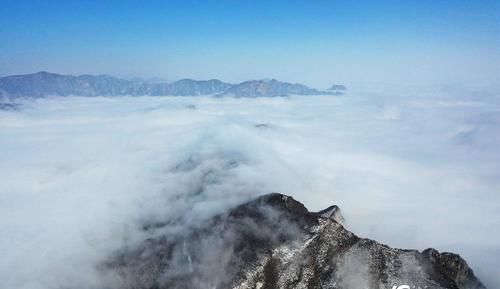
x=453, y=267
x=332, y=212
x=275, y=242
x=263, y=125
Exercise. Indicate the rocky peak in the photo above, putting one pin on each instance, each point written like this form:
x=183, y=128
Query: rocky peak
x=275, y=242
x=332, y=212
x=269, y=88
x=453, y=267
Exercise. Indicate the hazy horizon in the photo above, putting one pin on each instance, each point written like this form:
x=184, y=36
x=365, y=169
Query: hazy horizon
x=316, y=43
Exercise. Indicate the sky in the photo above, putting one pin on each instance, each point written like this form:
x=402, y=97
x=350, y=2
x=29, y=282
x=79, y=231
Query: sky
x=315, y=42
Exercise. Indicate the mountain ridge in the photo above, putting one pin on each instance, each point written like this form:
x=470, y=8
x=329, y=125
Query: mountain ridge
x=269, y=88
x=273, y=241
x=43, y=84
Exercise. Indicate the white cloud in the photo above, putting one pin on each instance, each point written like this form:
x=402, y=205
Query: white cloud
x=81, y=175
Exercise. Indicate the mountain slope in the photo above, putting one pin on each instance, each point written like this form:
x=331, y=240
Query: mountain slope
x=275, y=242
x=190, y=87
x=42, y=84
x=269, y=88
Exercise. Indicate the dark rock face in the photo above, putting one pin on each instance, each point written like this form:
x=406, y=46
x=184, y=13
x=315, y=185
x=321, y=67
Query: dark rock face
x=275, y=242
x=453, y=267
x=43, y=84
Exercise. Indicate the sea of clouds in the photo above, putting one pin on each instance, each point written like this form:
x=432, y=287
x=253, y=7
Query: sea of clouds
x=81, y=177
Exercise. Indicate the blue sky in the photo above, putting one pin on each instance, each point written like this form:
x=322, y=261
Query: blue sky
x=316, y=42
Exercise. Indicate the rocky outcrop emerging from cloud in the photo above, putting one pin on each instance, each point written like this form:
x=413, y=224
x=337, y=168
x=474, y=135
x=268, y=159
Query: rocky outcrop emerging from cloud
x=338, y=88
x=275, y=242
x=42, y=84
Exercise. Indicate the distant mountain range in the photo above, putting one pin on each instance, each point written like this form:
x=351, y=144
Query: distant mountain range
x=269, y=88
x=42, y=84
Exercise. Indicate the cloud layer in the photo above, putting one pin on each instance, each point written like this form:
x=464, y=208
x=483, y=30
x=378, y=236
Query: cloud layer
x=82, y=176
